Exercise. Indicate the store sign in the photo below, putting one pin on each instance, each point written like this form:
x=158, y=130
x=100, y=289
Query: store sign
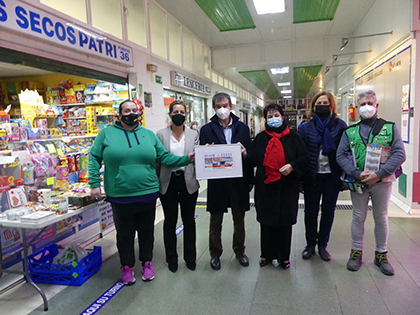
x=25, y=19
x=246, y=106
x=181, y=80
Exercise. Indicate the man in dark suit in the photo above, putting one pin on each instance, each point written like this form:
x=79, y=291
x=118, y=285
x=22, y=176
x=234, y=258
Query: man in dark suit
x=225, y=128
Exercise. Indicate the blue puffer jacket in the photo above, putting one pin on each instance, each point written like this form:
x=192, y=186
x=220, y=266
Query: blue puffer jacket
x=309, y=134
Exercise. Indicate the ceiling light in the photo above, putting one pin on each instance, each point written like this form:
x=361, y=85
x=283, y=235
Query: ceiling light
x=345, y=40
x=282, y=70
x=289, y=96
x=335, y=57
x=283, y=83
x=285, y=91
x=269, y=6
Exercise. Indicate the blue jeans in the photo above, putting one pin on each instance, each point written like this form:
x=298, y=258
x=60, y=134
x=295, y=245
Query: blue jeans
x=329, y=187
x=380, y=194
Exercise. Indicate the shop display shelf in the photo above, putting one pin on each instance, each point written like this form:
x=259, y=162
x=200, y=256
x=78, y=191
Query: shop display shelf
x=42, y=269
x=75, y=118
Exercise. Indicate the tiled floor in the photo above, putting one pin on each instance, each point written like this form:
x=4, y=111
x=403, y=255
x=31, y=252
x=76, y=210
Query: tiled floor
x=308, y=287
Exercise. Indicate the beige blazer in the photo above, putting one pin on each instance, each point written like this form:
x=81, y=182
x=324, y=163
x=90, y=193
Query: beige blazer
x=165, y=172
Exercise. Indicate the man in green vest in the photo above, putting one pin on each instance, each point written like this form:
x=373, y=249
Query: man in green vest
x=371, y=151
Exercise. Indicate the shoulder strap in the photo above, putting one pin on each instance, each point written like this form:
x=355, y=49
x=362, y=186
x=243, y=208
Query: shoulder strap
x=378, y=126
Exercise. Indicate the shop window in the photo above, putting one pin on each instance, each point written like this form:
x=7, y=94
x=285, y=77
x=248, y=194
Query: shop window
x=158, y=31
x=214, y=77
x=188, y=49
x=198, y=57
x=206, y=56
x=136, y=22
x=77, y=9
x=106, y=15
x=174, y=30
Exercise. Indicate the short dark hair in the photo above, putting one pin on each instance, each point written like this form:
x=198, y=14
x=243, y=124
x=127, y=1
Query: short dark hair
x=272, y=106
x=122, y=103
x=220, y=97
x=177, y=102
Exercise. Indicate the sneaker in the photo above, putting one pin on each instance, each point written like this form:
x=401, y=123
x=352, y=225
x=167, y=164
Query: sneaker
x=148, y=272
x=381, y=260
x=127, y=276
x=355, y=260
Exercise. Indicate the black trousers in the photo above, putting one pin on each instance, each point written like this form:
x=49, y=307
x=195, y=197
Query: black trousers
x=216, y=220
x=327, y=186
x=276, y=242
x=177, y=193
x=129, y=219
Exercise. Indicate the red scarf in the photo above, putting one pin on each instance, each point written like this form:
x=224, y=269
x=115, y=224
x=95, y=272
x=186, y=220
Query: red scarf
x=274, y=157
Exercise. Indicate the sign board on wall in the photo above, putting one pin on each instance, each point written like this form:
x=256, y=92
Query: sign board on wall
x=391, y=82
x=27, y=20
x=180, y=80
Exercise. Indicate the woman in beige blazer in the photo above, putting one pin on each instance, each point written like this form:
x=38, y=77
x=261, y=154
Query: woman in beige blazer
x=178, y=185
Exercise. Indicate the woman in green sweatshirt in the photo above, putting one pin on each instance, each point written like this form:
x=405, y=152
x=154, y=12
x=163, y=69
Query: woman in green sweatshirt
x=129, y=153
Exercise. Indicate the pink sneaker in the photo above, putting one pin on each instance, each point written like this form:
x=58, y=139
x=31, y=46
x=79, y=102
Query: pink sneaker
x=148, y=271
x=127, y=276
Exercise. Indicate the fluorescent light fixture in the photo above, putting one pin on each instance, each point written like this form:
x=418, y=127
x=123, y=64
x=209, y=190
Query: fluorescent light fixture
x=269, y=6
x=288, y=96
x=345, y=40
x=282, y=70
x=283, y=83
x=286, y=91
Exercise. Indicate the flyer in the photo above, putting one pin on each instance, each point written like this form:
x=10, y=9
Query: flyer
x=218, y=161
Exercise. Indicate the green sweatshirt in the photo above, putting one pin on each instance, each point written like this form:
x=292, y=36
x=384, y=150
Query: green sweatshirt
x=129, y=158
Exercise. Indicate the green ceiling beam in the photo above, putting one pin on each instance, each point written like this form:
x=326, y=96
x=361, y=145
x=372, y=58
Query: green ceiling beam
x=262, y=80
x=227, y=15
x=314, y=10
x=303, y=79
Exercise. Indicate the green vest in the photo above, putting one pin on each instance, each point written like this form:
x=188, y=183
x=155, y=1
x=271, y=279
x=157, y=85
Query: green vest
x=383, y=137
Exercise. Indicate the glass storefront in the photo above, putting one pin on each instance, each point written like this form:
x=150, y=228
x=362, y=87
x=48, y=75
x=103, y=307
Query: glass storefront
x=196, y=108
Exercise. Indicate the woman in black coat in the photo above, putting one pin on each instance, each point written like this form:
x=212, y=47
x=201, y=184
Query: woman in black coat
x=281, y=158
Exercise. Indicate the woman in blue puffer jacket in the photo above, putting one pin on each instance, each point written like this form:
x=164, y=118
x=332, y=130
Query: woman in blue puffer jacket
x=321, y=134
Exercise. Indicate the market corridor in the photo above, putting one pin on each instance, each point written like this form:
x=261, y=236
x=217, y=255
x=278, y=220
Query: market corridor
x=308, y=287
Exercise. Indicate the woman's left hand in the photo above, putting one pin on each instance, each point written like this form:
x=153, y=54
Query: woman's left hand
x=286, y=169
x=192, y=156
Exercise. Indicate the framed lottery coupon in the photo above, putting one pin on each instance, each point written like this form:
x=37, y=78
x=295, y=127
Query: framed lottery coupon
x=218, y=161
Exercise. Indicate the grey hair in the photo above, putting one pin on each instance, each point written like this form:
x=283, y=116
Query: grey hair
x=368, y=93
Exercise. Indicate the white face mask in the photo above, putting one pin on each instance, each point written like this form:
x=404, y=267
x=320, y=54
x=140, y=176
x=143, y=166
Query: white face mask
x=223, y=113
x=367, y=111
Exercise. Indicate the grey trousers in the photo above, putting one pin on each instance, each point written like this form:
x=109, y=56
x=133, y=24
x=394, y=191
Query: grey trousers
x=380, y=194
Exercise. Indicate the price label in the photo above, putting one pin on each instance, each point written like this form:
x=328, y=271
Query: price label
x=50, y=181
x=51, y=148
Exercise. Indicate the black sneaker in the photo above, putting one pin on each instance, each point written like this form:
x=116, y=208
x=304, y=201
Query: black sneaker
x=355, y=260
x=381, y=260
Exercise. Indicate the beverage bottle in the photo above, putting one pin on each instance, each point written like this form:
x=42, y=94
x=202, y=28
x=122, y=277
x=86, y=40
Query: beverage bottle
x=28, y=174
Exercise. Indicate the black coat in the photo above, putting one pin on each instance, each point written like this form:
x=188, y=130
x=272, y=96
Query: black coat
x=309, y=133
x=217, y=199
x=277, y=202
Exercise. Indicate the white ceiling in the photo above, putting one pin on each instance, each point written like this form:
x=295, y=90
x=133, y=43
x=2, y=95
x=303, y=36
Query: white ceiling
x=306, y=44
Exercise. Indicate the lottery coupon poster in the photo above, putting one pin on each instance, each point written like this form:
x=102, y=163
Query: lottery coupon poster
x=218, y=161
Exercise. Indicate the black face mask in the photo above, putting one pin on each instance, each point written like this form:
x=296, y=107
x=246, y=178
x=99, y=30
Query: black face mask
x=323, y=111
x=130, y=120
x=178, y=119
